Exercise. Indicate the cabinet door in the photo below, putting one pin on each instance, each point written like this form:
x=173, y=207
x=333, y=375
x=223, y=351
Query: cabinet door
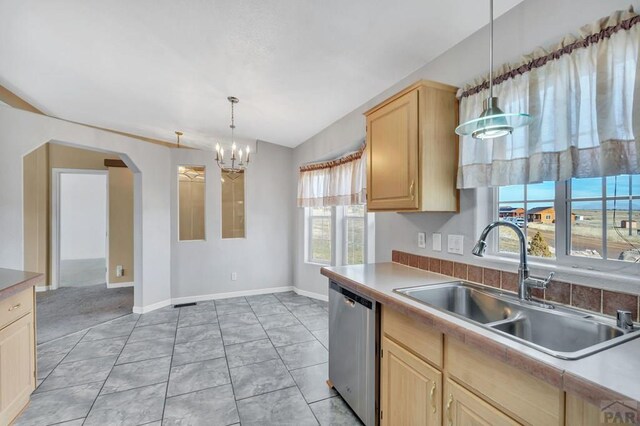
x=410, y=389
x=17, y=367
x=393, y=155
x=462, y=408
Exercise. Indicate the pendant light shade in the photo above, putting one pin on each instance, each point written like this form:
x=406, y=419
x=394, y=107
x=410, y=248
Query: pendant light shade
x=493, y=122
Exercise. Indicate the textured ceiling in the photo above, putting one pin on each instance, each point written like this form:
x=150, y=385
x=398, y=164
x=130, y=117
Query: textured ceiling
x=150, y=67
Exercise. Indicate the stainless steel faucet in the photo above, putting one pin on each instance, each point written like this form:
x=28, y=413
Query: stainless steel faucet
x=525, y=282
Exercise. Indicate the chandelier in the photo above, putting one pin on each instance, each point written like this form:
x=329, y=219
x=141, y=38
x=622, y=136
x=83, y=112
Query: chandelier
x=238, y=160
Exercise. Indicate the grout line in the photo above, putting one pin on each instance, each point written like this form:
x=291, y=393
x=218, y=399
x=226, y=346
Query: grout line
x=226, y=360
x=62, y=359
x=173, y=350
x=110, y=371
x=64, y=387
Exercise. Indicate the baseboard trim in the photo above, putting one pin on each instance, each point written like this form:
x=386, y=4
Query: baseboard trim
x=151, y=307
x=215, y=296
x=311, y=294
x=40, y=288
x=119, y=285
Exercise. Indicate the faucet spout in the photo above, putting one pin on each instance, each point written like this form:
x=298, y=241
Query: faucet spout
x=524, y=292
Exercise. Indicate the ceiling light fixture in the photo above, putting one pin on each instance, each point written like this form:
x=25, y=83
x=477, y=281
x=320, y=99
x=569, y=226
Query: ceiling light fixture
x=239, y=159
x=178, y=134
x=493, y=122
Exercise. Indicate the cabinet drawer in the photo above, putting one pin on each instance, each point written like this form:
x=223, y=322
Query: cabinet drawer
x=421, y=339
x=16, y=306
x=523, y=396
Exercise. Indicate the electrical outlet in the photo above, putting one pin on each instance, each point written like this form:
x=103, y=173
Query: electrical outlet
x=436, y=241
x=234, y=276
x=119, y=271
x=455, y=244
x=422, y=240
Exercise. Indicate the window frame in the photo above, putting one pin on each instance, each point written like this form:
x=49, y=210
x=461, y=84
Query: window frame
x=563, y=261
x=338, y=237
x=345, y=239
x=309, y=235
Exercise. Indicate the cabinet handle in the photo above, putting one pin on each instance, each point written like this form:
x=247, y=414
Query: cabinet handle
x=432, y=395
x=411, y=190
x=450, y=421
x=14, y=307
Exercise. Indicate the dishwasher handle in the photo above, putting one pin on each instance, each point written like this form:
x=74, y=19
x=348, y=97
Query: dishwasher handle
x=349, y=302
x=351, y=298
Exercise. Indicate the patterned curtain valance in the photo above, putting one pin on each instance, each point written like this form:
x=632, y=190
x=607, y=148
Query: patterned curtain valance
x=337, y=182
x=583, y=95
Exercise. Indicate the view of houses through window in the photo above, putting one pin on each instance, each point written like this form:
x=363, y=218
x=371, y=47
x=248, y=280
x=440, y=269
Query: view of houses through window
x=599, y=217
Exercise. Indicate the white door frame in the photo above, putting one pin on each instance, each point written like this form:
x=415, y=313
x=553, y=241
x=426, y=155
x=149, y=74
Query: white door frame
x=55, y=220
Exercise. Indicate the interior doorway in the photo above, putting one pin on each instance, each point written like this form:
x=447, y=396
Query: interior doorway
x=83, y=227
x=80, y=231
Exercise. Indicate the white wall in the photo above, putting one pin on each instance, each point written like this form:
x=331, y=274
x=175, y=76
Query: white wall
x=23, y=132
x=83, y=216
x=262, y=260
x=519, y=31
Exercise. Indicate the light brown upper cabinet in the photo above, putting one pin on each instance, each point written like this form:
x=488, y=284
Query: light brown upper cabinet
x=412, y=150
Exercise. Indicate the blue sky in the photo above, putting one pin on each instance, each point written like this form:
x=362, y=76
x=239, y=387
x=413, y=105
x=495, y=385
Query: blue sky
x=581, y=188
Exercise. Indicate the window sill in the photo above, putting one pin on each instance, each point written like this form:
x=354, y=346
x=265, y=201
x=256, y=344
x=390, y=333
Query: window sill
x=606, y=280
x=322, y=265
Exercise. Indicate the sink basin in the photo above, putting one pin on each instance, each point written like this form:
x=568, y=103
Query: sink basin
x=560, y=331
x=463, y=300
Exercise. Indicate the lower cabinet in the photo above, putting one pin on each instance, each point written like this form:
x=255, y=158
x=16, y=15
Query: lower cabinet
x=17, y=366
x=463, y=408
x=411, y=390
x=430, y=379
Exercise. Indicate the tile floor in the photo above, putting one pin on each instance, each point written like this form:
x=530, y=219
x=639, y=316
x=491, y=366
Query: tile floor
x=257, y=360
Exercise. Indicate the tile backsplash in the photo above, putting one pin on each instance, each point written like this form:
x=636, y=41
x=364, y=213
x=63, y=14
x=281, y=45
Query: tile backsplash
x=589, y=298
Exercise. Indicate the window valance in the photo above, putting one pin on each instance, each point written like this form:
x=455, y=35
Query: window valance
x=339, y=182
x=584, y=96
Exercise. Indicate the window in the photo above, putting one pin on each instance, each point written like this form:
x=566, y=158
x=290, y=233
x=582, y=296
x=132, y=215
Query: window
x=354, y=238
x=604, y=217
x=594, y=219
x=233, y=216
x=530, y=207
x=337, y=235
x=320, y=234
x=191, y=197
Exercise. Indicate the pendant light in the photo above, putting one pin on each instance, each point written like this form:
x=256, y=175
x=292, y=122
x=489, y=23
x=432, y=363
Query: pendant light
x=178, y=134
x=493, y=122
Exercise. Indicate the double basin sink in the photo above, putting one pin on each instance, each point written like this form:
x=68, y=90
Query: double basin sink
x=556, y=330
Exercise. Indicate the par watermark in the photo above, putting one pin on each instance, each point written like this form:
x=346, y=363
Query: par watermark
x=619, y=413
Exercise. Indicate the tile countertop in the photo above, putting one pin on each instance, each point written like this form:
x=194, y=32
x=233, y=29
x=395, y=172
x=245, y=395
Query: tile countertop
x=13, y=281
x=613, y=374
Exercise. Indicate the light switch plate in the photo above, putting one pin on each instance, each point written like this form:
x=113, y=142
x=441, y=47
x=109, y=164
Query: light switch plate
x=234, y=276
x=422, y=240
x=437, y=241
x=455, y=243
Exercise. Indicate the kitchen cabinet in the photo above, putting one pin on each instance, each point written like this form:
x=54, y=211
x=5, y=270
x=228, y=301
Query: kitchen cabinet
x=412, y=150
x=581, y=412
x=417, y=361
x=411, y=388
x=463, y=408
x=17, y=354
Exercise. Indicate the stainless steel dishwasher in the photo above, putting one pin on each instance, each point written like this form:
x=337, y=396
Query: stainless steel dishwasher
x=353, y=351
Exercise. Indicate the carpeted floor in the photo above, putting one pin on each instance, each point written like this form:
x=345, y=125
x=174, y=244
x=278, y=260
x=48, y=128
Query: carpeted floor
x=82, y=272
x=70, y=309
